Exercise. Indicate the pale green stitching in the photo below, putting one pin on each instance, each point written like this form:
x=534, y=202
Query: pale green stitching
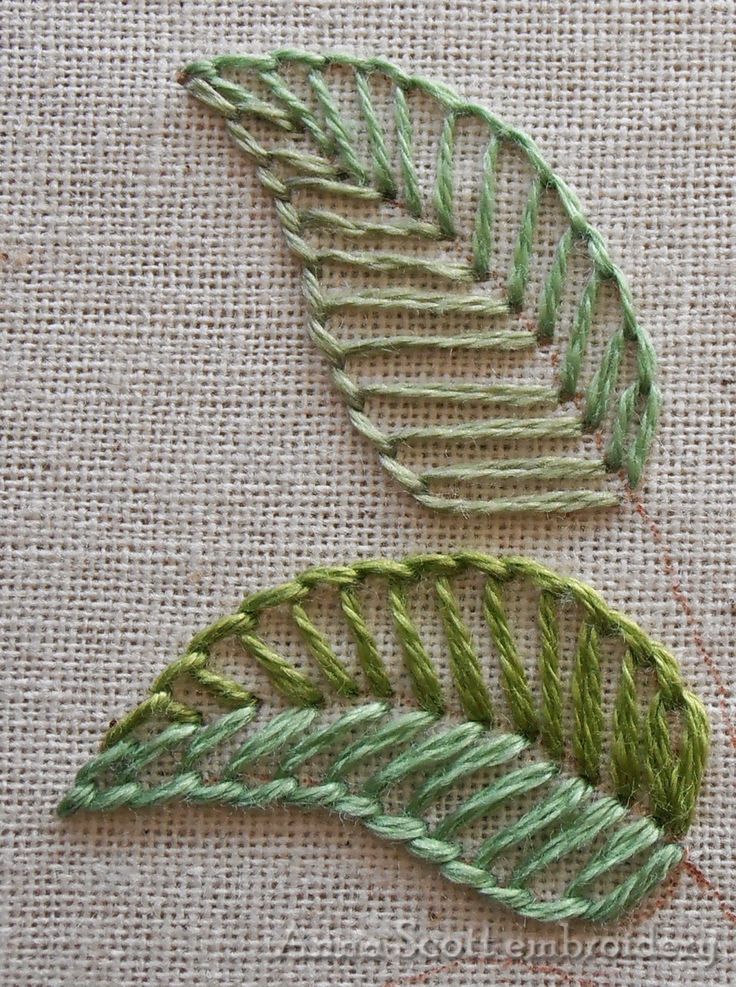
x=297, y=736
x=569, y=815
x=334, y=167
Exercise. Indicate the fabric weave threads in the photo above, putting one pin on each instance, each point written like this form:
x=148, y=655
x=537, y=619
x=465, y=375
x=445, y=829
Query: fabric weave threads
x=152, y=311
x=672, y=778
x=333, y=168
x=674, y=759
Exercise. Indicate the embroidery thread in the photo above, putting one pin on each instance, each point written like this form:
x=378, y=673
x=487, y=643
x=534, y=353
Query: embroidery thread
x=601, y=794
x=346, y=186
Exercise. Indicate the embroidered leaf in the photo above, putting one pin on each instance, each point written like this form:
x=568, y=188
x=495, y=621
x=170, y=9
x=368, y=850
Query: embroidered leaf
x=509, y=774
x=421, y=254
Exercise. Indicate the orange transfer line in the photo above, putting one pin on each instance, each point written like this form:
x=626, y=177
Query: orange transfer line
x=694, y=625
x=711, y=890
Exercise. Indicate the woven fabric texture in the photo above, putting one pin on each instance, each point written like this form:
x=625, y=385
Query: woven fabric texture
x=172, y=442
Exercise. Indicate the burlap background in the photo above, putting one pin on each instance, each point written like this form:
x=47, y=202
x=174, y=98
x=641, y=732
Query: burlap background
x=173, y=442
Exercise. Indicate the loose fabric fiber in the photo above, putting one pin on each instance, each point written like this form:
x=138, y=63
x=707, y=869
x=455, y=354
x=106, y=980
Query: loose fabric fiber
x=172, y=443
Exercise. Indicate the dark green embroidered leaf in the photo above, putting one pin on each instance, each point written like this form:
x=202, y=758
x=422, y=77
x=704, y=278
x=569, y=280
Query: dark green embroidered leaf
x=472, y=760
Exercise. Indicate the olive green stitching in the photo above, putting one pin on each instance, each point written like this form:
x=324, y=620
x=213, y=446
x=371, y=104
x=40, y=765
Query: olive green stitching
x=667, y=733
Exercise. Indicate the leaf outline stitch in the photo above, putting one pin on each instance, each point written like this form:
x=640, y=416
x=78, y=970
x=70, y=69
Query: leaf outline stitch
x=419, y=738
x=336, y=168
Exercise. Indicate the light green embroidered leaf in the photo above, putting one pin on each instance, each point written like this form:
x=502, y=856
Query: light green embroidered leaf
x=447, y=271
x=543, y=783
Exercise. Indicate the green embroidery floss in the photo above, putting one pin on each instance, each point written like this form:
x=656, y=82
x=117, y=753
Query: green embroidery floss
x=352, y=198
x=416, y=769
